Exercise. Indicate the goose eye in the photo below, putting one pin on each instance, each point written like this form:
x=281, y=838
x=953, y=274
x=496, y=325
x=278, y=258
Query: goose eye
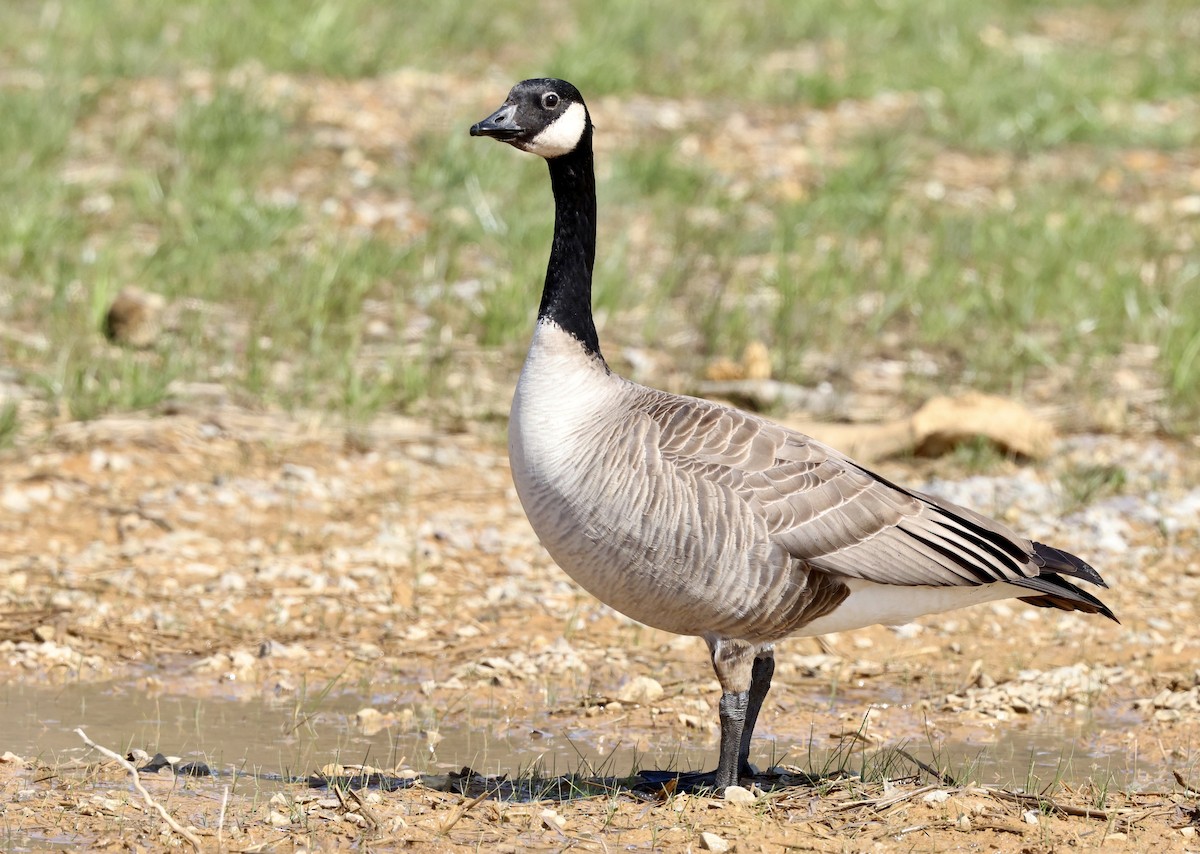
x=550, y=100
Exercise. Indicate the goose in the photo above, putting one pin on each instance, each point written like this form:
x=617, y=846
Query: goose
x=705, y=520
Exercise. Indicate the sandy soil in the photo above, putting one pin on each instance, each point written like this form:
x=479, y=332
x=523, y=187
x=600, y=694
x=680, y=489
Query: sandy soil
x=383, y=582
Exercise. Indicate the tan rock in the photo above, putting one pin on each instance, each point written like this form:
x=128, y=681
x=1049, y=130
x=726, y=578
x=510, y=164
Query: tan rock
x=134, y=318
x=944, y=422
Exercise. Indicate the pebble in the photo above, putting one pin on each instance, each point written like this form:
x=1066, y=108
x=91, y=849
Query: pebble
x=134, y=317
x=641, y=691
x=1186, y=206
x=370, y=721
x=1035, y=689
x=14, y=500
x=739, y=795
x=712, y=842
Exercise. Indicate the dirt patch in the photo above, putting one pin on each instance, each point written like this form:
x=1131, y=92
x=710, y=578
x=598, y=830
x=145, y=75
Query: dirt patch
x=284, y=595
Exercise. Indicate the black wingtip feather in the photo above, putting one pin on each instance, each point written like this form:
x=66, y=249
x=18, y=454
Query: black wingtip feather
x=1069, y=605
x=1056, y=592
x=1056, y=560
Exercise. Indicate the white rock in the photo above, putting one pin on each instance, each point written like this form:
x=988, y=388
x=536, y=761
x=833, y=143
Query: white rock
x=1186, y=205
x=739, y=795
x=712, y=842
x=370, y=721
x=938, y=797
x=306, y=474
x=242, y=660
x=14, y=501
x=641, y=690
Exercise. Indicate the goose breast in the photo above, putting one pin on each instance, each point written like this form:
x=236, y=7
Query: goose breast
x=617, y=489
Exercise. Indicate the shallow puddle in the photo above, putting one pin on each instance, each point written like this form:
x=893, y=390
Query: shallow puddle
x=1039, y=753
x=283, y=738
x=273, y=739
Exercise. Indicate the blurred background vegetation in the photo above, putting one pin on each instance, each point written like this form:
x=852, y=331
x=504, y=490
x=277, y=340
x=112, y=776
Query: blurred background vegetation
x=997, y=195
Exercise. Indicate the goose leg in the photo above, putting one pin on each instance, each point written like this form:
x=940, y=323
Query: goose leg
x=760, y=684
x=733, y=720
x=733, y=660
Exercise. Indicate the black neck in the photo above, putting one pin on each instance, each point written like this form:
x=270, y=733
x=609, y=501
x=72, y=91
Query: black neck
x=567, y=294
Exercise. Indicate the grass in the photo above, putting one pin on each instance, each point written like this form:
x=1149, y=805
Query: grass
x=10, y=424
x=1086, y=484
x=141, y=146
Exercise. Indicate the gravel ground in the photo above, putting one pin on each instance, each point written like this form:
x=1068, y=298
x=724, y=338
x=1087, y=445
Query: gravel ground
x=275, y=576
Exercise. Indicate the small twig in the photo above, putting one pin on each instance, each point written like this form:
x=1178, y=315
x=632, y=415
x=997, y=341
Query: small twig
x=137, y=784
x=941, y=776
x=884, y=802
x=999, y=827
x=915, y=827
x=462, y=810
x=359, y=806
x=221, y=820
x=365, y=810
x=1041, y=800
x=1188, y=789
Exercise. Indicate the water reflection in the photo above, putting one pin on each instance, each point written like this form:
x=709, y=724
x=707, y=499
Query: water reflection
x=275, y=737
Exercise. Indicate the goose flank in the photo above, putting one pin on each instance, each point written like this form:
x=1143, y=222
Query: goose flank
x=701, y=519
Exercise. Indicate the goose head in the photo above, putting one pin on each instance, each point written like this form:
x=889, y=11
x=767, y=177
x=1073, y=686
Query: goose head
x=544, y=116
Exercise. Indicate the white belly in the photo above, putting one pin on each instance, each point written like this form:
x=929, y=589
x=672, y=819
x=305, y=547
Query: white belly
x=871, y=604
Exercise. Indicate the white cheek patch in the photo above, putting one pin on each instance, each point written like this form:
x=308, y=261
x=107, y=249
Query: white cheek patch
x=562, y=136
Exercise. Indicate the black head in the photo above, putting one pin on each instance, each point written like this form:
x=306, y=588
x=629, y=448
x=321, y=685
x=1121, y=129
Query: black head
x=545, y=116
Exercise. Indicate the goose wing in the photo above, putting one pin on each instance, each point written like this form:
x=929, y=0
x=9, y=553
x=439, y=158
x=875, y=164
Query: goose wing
x=840, y=518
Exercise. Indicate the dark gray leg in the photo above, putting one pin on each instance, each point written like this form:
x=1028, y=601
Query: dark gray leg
x=760, y=684
x=734, y=662
x=733, y=720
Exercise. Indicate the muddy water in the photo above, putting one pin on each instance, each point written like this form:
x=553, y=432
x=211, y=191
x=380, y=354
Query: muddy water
x=284, y=738
x=289, y=739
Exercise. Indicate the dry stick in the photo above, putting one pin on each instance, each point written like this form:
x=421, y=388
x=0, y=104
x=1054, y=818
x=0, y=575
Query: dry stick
x=1040, y=800
x=941, y=776
x=363, y=809
x=359, y=807
x=886, y=801
x=221, y=821
x=1188, y=789
x=462, y=810
x=137, y=784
